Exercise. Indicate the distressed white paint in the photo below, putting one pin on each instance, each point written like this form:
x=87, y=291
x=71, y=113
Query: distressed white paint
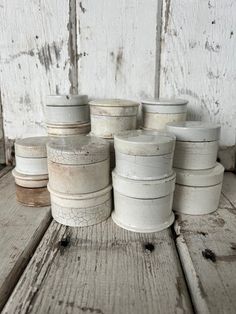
x=197, y=60
x=34, y=61
x=117, y=48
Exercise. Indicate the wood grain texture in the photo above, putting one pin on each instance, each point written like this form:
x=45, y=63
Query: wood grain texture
x=101, y=269
x=207, y=249
x=197, y=53
x=117, y=48
x=34, y=61
x=21, y=229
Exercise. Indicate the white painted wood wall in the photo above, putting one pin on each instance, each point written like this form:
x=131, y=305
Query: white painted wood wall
x=131, y=49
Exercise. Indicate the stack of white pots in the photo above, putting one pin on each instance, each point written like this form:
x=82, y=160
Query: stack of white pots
x=109, y=117
x=158, y=112
x=198, y=176
x=67, y=115
x=31, y=172
x=79, y=180
x=143, y=180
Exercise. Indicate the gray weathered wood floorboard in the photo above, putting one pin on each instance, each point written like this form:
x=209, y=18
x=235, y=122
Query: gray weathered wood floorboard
x=207, y=249
x=21, y=229
x=102, y=269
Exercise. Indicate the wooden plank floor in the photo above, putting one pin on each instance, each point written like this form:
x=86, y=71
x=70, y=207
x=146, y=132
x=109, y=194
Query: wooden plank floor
x=21, y=229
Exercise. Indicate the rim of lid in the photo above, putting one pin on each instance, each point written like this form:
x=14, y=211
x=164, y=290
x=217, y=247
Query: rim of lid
x=116, y=102
x=144, y=142
x=200, y=178
x=194, y=131
x=164, y=105
x=165, y=101
x=31, y=147
x=66, y=100
x=77, y=150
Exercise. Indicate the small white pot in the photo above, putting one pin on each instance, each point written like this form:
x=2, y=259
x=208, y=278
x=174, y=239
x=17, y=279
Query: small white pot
x=78, y=164
x=30, y=181
x=68, y=130
x=198, y=192
x=31, y=156
x=143, y=206
x=144, y=155
x=67, y=109
x=110, y=116
x=196, y=144
x=81, y=210
x=158, y=112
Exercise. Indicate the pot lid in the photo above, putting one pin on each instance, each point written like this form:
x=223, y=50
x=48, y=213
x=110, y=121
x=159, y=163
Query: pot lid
x=77, y=150
x=66, y=100
x=143, y=189
x=144, y=142
x=165, y=101
x=114, y=103
x=164, y=105
x=200, y=178
x=194, y=131
x=31, y=147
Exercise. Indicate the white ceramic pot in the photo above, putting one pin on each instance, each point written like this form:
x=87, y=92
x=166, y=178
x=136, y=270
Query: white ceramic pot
x=143, y=206
x=81, y=210
x=31, y=155
x=30, y=181
x=68, y=130
x=110, y=116
x=197, y=192
x=78, y=164
x=158, y=112
x=144, y=155
x=67, y=109
x=196, y=144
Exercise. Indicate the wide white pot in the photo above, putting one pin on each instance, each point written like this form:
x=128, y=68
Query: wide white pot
x=143, y=206
x=144, y=155
x=197, y=192
x=30, y=181
x=81, y=210
x=158, y=112
x=196, y=144
x=31, y=156
x=110, y=116
x=68, y=130
x=67, y=109
x=78, y=164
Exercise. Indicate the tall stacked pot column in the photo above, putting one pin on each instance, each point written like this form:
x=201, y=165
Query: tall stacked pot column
x=198, y=176
x=143, y=180
x=79, y=180
x=31, y=172
x=158, y=112
x=111, y=116
x=67, y=115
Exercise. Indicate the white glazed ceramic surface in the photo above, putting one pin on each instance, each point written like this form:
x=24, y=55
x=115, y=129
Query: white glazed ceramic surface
x=30, y=181
x=196, y=200
x=195, y=155
x=158, y=121
x=164, y=106
x=68, y=130
x=66, y=100
x=194, y=131
x=31, y=166
x=81, y=210
x=67, y=114
x=77, y=179
x=31, y=147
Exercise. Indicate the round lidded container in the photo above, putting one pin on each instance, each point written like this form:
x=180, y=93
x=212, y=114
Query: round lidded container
x=33, y=197
x=158, y=112
x=110, y=116
x=197, y=192
x=196, y=144
x=67, y=109
x=82, y=209
x=31, y=155
x=68, y=129
x=78, y=164
x=143, y=206
x=144, y=155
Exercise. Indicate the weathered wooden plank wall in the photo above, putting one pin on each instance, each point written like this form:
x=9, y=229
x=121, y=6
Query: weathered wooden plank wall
x=113, y=49
x=197, y=60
